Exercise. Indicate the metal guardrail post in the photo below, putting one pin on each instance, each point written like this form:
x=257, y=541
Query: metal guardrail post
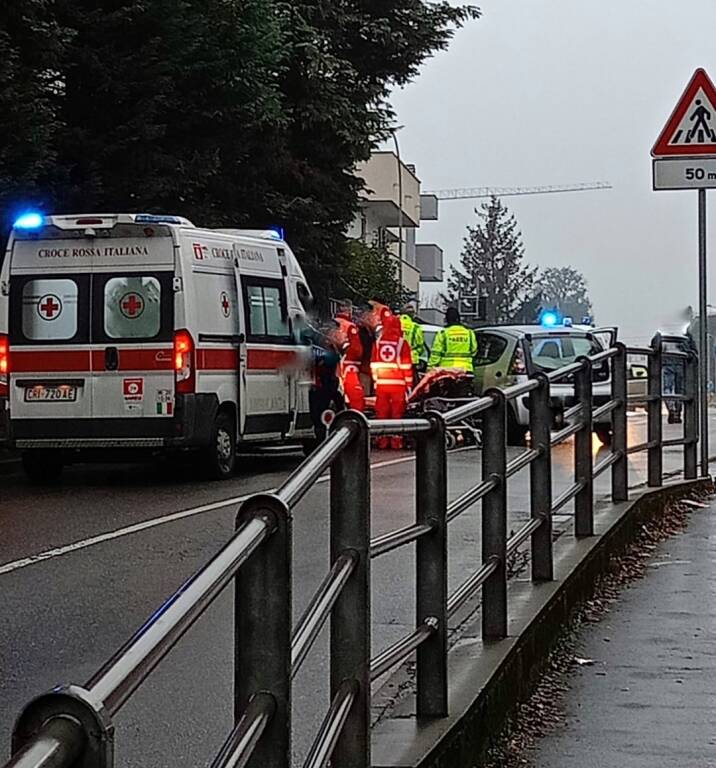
x=494, y=517
x=691, y=416
x=65, y=727
x=583, y=470
x=431, y=568
x=620, y=469
x=351, y=618
x=654, y=425
x=263, y=617
x=541, y=480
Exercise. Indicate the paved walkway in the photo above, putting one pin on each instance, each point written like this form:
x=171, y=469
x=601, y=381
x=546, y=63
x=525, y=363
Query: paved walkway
x=650, y=700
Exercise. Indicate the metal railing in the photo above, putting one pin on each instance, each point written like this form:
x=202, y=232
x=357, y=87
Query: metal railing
x=73, y=725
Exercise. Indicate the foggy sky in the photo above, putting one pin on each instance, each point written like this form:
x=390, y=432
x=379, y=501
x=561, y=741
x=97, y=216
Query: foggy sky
x=558, y=91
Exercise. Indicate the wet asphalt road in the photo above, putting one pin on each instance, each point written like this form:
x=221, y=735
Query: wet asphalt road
x=84, y=563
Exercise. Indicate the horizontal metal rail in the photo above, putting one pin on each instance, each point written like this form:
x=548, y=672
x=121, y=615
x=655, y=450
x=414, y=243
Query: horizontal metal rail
x=642, y=447
x=59, y=743
x=605, y=463
x=677, y=353
x=468, y=410
x=606, y=354
x=570, y=413
x=332, y=725
x=522, y=461
x=643, y=351
x=318, y=610
x=399, y=426
x=400, y=650
x=394, y=539
x=642, y=399
x=468, y=588
x=470, y=497
x=605, y=409
x=562, y=373
x=117, y=680
x=564, y=498
x=517, y=539
x=674, y=441
x=677, y=398
x=566, y=432
x=239, y=747
x=517, y=390
x=301, y=481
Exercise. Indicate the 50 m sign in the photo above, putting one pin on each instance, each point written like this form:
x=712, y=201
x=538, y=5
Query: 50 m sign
x=685, y=173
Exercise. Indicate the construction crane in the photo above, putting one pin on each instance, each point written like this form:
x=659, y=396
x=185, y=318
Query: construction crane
x=472, y=193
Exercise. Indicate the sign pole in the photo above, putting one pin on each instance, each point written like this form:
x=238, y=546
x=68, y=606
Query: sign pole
x=703, y=338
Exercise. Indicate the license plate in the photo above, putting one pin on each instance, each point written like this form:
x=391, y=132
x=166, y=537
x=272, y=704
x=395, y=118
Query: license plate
x=63, y=393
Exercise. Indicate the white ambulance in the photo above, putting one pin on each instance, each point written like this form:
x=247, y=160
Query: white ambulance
x=136, y=331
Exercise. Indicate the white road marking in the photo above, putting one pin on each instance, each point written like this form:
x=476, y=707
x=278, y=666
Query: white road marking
x=49, y=554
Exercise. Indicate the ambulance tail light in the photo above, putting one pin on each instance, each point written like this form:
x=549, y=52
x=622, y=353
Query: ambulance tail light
x=184, y=364
x=4, y=364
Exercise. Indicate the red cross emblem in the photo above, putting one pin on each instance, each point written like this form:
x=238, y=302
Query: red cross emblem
x=225, y=304
x=387, y=352
x=49, y=307
x=131, y=305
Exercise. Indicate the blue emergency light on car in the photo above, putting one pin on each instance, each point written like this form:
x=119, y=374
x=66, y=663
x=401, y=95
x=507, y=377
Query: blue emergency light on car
x=150, y=218
x=29, y=220
x=277, y=233
x=567, y=322
x=549, y=319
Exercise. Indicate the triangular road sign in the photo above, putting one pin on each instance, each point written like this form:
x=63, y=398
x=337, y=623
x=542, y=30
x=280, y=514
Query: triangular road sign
x=691, y=129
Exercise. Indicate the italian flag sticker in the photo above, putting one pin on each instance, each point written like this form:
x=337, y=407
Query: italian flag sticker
x=165, y=405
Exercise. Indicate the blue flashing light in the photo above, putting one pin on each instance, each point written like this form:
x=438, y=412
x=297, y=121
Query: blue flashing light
x=29, y=220
x=149, y=218
x=567, y=322
x=277, y=233
x=587, y=320
x=549, y=319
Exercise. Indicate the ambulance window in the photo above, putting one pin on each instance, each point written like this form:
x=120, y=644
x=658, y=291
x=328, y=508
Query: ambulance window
x=266, y=310
x=132, y=307
x=49, y=309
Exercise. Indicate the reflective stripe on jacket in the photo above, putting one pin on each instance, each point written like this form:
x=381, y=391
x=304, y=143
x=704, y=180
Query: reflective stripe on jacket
x=454, y=347
x=391, y=364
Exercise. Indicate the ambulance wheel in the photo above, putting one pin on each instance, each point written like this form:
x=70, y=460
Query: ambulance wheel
x=220, y=456
x=42, y=467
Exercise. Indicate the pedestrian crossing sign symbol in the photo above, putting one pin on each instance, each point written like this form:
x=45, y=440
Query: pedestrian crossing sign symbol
x=691, y=129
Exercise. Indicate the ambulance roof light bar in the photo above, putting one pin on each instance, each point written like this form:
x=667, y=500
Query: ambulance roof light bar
x=29, y=220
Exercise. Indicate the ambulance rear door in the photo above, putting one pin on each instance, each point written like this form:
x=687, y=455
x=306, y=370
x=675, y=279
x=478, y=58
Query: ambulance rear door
x=268, y=351
x=133, y=375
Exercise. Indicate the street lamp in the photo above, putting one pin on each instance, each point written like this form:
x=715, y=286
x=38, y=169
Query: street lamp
x=394, y=133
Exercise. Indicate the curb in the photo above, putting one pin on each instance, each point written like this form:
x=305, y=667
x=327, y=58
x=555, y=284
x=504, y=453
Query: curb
x=488, y=679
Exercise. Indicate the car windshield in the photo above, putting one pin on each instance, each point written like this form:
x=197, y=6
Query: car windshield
x=549, y=353
x=429, y=337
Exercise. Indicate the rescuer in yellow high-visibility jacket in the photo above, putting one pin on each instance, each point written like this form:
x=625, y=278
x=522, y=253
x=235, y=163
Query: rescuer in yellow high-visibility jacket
x=412, y=332
x=455, y=346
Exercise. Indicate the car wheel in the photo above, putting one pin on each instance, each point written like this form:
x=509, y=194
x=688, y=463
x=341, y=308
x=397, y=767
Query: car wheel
x=604, y=433
x=42, y=467
x=516, y=432
x=220, y=455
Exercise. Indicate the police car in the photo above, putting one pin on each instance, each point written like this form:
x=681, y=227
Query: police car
x=136, y=331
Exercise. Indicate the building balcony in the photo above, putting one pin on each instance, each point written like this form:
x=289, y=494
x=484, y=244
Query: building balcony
x=382, y=201
x=429, y=260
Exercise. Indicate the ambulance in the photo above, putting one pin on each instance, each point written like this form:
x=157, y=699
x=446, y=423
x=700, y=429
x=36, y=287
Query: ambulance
x=122, y=332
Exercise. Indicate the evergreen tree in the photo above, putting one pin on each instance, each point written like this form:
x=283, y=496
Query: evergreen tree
x=31, y=45
x=492, y=264
x=565, y=289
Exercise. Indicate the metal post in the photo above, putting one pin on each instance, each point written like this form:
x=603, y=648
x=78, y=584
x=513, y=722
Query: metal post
x=654, y=472
x=431, y=568
x=704, y=352
x=583, y=469
x=400, y=206
x=494, y=517
x=620, y=469
x=541, y=480
x=263, y=617
x=350, y=618
x=691, y=419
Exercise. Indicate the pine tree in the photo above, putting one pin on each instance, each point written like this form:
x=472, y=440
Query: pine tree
x=565, y=289
x=492, y=264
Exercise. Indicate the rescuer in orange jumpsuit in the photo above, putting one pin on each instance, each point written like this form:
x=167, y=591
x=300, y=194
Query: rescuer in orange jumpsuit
x=352, y=356
x=392, y=369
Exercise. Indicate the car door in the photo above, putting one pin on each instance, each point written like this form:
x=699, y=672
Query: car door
x=494, y=353
x=270, y=355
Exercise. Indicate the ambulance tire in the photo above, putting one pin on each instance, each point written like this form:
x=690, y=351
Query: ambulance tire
x=220, y=456
x=42, y=467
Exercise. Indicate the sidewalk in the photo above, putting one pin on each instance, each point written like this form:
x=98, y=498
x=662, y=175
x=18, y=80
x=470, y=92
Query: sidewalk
x=649, y=701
